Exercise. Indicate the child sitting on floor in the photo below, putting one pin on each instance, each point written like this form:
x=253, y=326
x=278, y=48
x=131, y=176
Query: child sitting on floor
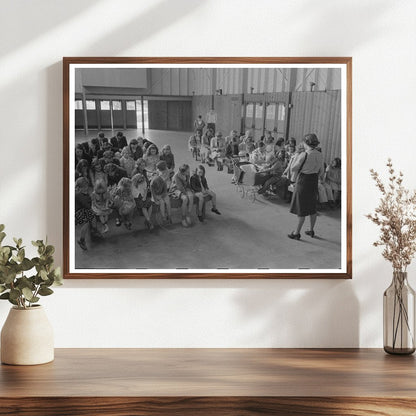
x=83, y=213
x=159, y=192
x=167, y=155
x=124, y=202
x=127, y=162
x=181, y=188
x=142, y=197
x=200, y=186
x=151, y=158
x=332, y=181
x=97, y=171
x=101, y=203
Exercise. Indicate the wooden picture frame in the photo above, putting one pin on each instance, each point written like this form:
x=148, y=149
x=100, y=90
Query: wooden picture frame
x=302, y=80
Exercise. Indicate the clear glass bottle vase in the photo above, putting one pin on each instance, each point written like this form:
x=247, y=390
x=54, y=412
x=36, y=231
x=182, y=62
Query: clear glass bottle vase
x=399, y=316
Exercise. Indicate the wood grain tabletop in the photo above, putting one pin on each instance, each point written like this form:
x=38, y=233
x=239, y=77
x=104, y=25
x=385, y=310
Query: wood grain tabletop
x=215, y=378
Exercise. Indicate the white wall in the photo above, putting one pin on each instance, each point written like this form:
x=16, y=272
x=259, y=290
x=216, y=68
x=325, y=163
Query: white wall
x=380, y=35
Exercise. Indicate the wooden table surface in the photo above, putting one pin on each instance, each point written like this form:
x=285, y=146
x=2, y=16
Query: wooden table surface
x=212, y=381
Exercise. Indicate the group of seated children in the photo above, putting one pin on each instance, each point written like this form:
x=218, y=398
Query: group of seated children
x=270, y=158
x=116, y=177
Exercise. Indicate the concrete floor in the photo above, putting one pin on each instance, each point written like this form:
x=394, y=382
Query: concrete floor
x=246, y=236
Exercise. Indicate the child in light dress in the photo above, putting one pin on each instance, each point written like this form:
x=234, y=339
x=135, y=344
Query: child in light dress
x=151, y=158
x=127, y=161
x=97, y=171
x=101, y=203
x=124, y=202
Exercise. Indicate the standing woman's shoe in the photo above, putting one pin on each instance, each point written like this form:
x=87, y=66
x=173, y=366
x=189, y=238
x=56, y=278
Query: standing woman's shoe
x=310, y=233
x=294, y=236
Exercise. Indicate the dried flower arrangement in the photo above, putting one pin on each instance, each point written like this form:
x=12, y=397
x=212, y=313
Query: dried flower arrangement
x=396, y=217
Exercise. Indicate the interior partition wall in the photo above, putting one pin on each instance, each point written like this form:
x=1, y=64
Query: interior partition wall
x=285, y=114
x=172, y=114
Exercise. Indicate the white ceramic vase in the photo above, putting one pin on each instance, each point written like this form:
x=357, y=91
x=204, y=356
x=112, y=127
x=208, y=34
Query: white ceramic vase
x=27, y=337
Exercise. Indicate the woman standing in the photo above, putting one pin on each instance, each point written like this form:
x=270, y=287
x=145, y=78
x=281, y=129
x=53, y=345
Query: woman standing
x=309, y=168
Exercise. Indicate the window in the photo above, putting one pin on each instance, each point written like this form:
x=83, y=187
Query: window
x=249, y=110
x=271, y=112
x=78, y=105
x=142, y=114
x=130, y=106
x=117, y=105
x=90, y=104
x=105, y=105
x=259, y=110
x=281, y=111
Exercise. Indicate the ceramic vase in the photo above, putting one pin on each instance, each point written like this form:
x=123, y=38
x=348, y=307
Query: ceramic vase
x=27, y=337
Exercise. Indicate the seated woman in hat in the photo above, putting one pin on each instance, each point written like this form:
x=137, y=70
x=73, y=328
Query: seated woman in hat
x=308, y=168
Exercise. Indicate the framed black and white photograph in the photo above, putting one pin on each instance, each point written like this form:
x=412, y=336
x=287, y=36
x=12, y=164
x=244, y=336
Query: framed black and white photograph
x=207, y=167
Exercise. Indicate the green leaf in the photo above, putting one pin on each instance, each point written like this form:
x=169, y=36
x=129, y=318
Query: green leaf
x=58, y=277
x=2, y=227
x=8, y=277
x=43, y=274
x=45, y=291
x=15, y=294
x=2, y=288
x=24, y=282
x=26, y=264
x=5, y=295
x=49, y=250
x=27, y=293
x=2, y=236
x=17, y=241
x=21, y=254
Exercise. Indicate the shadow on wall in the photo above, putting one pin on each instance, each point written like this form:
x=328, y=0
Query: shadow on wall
x=46, y=15
x=155, y=19
x=311, y=17
x=300, y=313
x=140, y=27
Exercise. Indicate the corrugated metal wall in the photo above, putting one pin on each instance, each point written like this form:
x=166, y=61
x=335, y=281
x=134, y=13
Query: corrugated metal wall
x=199, y=81
x=312, y=112
x=319, y=113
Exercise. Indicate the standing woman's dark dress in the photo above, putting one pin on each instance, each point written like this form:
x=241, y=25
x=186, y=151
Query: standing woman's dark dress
x=305, y=196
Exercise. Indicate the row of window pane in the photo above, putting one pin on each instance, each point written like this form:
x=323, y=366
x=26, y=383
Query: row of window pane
x=250, y=107
x=105, y=105
x=256, y=110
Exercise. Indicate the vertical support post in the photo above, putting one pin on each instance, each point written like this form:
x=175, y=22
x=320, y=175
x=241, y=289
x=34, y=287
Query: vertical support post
x=293, y=73
x=141, y=103
x=264, y=113
x=111, y=117
x=124, y=110
x=244, y=89
x=84, y=112
x=213, y=85
x=98, y=112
